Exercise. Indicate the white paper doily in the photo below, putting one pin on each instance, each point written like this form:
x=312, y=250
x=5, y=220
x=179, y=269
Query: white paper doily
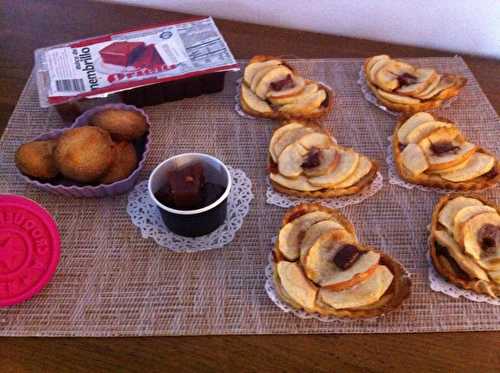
x=237, y=105
x=440, y=285
x=285, y=201
x=371, y=98
x=147, y=218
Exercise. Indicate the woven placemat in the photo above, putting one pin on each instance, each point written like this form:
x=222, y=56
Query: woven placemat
x=111, y=282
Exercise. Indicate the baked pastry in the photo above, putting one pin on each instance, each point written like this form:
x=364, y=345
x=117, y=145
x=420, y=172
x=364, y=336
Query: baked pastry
x=121, y=124
x=405, y=88
x=84, y=154
x=305, y=161
x=464, y=242
x=320, y=267
x=433, y=152
x=124, y=163
x=271, y=88
x=36, y=159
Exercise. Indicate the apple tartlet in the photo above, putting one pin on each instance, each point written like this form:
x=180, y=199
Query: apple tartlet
x=305, y=161
x=320, y=267
x=272, y=88
x=405, y=88
x=433, y=152
x=464, y=243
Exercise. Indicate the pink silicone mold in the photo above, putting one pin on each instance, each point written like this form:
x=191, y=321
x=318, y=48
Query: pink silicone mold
x=72, y=189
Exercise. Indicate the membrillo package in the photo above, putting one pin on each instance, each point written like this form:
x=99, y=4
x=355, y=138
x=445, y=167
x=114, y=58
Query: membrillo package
x=143, y=57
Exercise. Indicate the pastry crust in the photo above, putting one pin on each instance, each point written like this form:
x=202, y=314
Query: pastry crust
x=325, y=108
x=434, y=180
x=424, y=105
x=445, y=265
x=398, y=291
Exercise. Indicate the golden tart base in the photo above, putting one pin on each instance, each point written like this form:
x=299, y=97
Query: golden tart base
x=445, y=265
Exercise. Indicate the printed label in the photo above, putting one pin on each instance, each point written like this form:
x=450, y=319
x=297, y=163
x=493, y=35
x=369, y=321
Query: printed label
x=153, y=54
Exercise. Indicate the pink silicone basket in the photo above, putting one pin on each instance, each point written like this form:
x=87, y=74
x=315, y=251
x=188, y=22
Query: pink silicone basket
x=72, y=189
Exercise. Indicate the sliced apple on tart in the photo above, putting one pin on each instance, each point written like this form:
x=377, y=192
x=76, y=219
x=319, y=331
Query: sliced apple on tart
x=337, y=263
x=274, y=89
x=253, y=68
x=253, y=104
x=464, y=242
x=305, y=161
x=309, y=90
x=333, y=274
x=403, y=87
x=434, y=152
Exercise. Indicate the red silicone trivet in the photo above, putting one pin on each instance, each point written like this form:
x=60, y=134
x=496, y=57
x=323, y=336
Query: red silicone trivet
x=29, y=249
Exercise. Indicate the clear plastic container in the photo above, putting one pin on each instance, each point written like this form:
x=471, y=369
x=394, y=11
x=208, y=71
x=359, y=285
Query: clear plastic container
x=143, y=67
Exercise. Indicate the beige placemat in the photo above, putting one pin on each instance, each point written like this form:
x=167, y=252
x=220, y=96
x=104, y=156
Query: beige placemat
x=111, y=282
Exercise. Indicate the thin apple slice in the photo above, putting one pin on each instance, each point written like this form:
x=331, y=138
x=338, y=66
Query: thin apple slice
x=314, y=232
x=449, y=211
x=371, y=62
x=387, y=77
x=414, y=159
x=465, y=262
x=349, y=160
x=259, y=75
x=375, y=67
x=432, y=85
x=495, y=275
x=456, y=167
x=328, y=159
x=308, y=105
x=253, y=102
x=474, y=245
x=291, y=234
x=296, y=285
x=309, y=89
x=491, y=263
x=477, y=165
x=411, y=123
x=320, y=262
x=299, y=84
x=274, y=75
x=255, y=67
x=363, y=168
x=364, y=294
x=291, y=159
x=424, y=78
x=398, y=99
x=444, y=162
x=300, y=183
x=465, y=214
x=285, y=138
x=424, y=130
x=315, y=139
x=446, y=81
x=280, y=132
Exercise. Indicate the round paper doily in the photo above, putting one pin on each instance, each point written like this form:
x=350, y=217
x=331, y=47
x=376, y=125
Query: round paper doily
x=237, y=106
x=283, y=200
x=147, y=218
x=440, y=285
x=371, y=98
